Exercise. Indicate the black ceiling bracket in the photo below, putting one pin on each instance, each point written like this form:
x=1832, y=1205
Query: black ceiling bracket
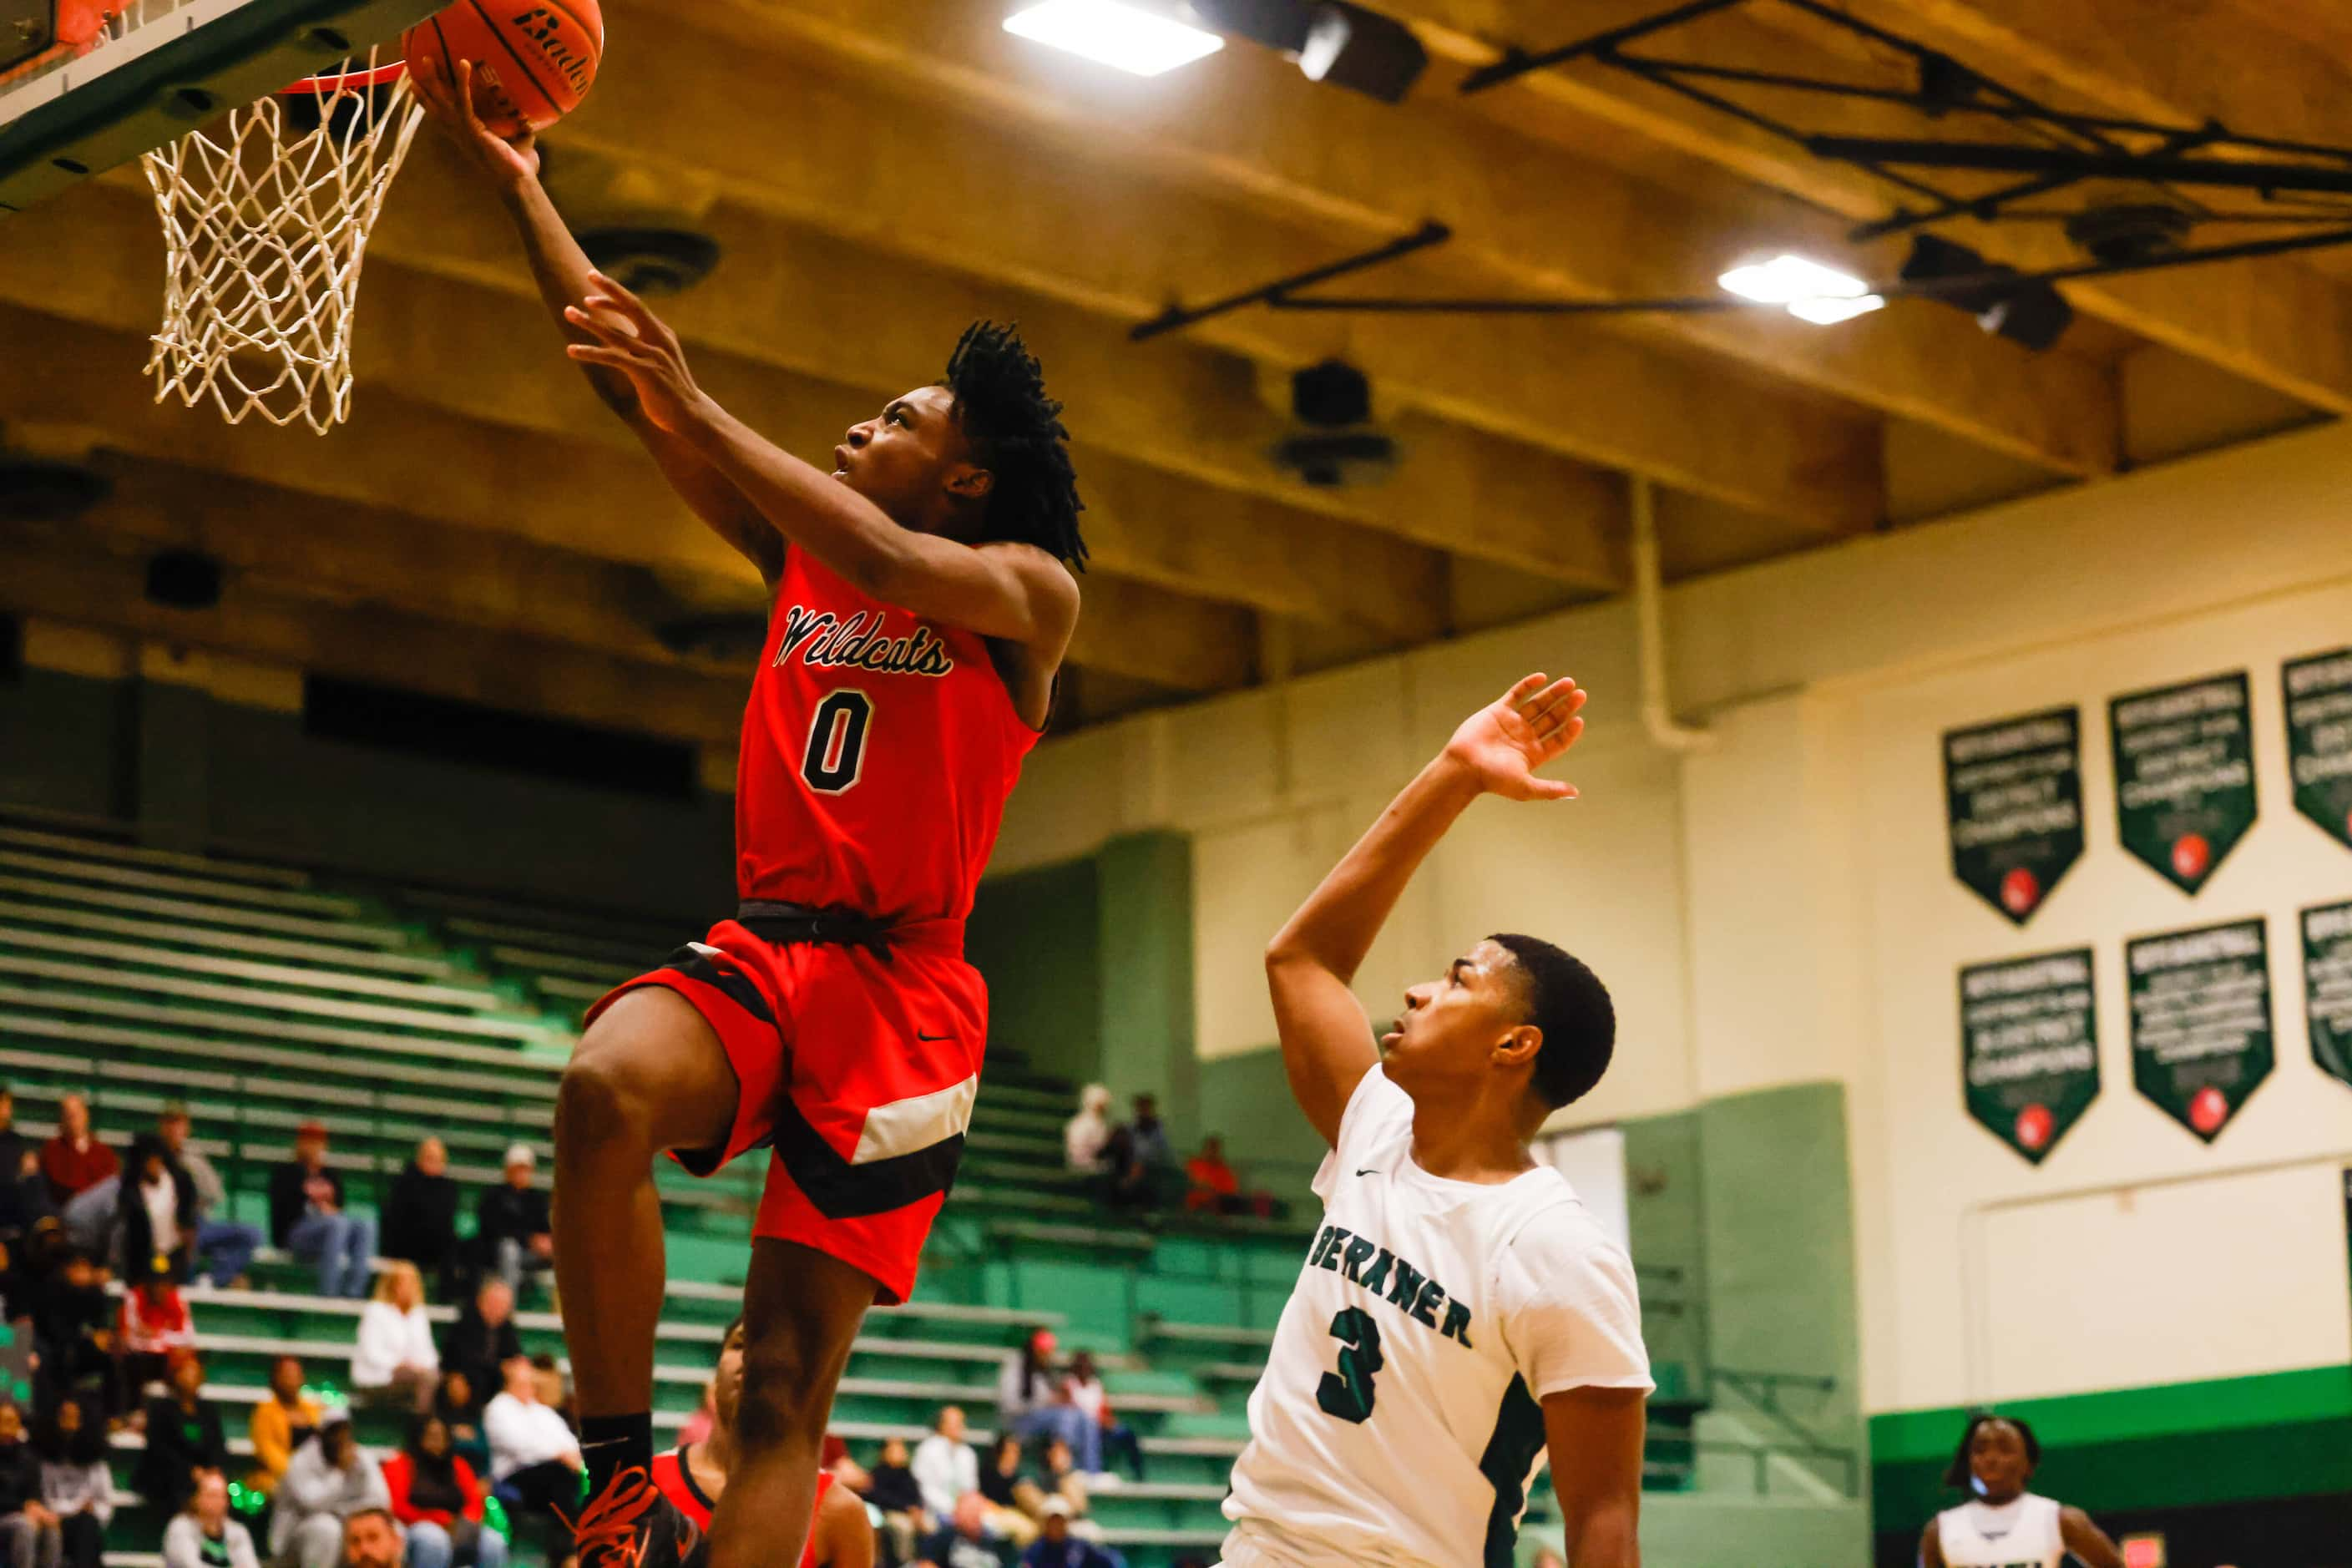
x=1279, y=293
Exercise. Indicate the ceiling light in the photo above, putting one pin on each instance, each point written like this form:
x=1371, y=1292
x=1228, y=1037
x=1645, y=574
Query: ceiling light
x=1787, y=279
x=1830, y=312
x=1125, y=36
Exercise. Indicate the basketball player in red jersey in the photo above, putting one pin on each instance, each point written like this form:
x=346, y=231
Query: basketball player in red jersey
x=922, y=599
x=694, y=1478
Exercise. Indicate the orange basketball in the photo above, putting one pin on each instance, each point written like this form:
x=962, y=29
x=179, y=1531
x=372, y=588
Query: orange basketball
x=544, y=55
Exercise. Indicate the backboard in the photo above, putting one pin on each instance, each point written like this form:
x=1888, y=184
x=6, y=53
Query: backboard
x=87, y=84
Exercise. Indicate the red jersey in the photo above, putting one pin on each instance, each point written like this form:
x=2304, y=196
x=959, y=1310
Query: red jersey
x=676, y=1479
x=878, y=750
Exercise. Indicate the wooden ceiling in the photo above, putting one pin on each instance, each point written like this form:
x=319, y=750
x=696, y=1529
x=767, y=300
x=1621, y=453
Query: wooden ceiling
x=878, y=175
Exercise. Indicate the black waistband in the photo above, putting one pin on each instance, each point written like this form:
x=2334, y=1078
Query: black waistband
x=836, y=925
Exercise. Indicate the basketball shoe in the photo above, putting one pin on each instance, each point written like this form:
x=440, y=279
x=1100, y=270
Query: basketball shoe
x=630, y=1524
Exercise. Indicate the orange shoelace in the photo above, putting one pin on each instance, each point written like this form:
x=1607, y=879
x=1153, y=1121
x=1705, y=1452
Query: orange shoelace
x=609, y=1522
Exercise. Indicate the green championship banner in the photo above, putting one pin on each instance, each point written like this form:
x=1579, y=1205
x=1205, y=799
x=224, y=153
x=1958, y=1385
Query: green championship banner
x=2327, y=986
x=2029, y=1047
x=2319, y=740
x=2184, y=775
x=2013, y=792
x=2201, y=1021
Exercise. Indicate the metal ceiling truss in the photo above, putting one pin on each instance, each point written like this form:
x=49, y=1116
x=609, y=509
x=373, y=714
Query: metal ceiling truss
x=2189, y=173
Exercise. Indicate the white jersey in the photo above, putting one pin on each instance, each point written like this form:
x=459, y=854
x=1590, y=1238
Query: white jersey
x=1397, y=1423
x=2021, y=1533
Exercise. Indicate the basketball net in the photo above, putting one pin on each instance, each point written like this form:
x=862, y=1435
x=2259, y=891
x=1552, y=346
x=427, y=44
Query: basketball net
x=265, y=222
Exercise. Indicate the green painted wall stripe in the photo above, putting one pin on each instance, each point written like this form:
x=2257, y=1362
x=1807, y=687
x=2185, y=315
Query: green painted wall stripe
x=2185, y=1445
x=2313, y=1393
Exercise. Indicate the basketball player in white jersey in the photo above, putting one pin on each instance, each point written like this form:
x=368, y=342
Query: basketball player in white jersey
x=2002, y=1525
x=1460, y=1310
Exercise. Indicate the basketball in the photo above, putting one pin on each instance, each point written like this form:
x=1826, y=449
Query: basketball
x=543, y=55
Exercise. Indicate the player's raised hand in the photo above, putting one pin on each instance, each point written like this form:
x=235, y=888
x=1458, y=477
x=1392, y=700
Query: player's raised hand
x=1505, y=741
x=630, y=339
x=449, y=103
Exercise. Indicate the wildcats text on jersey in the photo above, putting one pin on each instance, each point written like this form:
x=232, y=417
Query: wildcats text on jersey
x=1351, y=1257
x=823, y=640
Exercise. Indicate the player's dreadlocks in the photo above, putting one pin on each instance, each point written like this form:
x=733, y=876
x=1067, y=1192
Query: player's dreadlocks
x=1016, y=432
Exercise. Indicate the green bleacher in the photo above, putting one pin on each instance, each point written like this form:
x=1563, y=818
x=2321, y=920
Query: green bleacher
x=263, y=998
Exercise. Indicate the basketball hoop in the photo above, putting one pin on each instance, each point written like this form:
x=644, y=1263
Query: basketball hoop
x=265, y=222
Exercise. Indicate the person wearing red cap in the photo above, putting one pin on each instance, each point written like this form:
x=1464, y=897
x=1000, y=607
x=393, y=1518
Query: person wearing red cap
x=1034, y=1402
x=307, y=1217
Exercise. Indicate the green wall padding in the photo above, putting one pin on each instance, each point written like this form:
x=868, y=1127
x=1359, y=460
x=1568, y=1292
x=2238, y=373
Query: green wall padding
x=405, y=817
x=1246, y=1099
x=1034, y=935
x=65, y=744
x=1146, y=950
x=2286, y=1433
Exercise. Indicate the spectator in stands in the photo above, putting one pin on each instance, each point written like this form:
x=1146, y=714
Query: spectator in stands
x=370, y=1538
x=93, y=1220
x=437, y=1495
x=281, y=1423
x=512, y=1223
x=1547, y=1558
x=1087, y=1392
x=1033, y=1403
x=483, y=1339
x=24, y=1193
x=945, y=1466
x=307, y=1217
x=1014, y=1500
x=29, y=1531
x=1142, y=1162
x=13, y=1144
x=76, y=1485
x=1056, y=1547
x=420, y=1215
x=203, y=1536
x=396, y=1361
x=154, y=1323
x=534, y=1458
x=891, y=1490
x=224, y=1248
x=966, y=1541
x=16, y=1150
x=329, y=1480
x=73, y=1331
x=1215, y=1187
x=1086, y=1134
x=1055, y=1475
x=460, y=1410
x=156, y=1210
x=183, y=1436
x=75, y=1159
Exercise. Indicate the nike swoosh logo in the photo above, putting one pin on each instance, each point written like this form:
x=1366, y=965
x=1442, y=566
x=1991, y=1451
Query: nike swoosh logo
x=1368, y=1172
x=920, y=1035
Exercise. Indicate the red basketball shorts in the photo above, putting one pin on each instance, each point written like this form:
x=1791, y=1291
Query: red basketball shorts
x=857, y=1073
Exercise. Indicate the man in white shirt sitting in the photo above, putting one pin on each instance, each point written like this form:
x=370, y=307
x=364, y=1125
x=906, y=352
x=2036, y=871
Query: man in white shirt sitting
x=945, y=1466
x=535, y=1460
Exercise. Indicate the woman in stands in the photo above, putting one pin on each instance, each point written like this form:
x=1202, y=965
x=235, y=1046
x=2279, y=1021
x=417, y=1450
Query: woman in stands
x=396, y=1361
x=76, y=1485
x=185, y=1437
x=439, y=1498
x=2002, y=1525
x=1088, y=1393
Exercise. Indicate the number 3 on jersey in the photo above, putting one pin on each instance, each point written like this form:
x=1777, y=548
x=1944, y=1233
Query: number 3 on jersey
x=1347, y=1392
x=836, y=742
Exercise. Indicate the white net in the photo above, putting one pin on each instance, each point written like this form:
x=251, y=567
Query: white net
x=265, y=222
